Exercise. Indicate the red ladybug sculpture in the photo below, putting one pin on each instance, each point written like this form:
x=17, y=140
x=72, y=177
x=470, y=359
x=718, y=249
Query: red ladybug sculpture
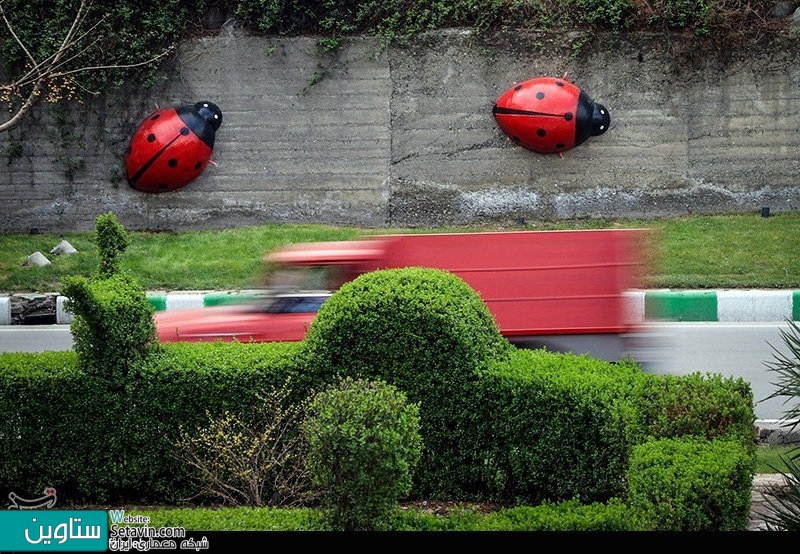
x=172, y=147
x=549, y=115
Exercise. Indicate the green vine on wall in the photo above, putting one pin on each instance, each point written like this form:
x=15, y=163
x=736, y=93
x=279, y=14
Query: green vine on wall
x=118, y=33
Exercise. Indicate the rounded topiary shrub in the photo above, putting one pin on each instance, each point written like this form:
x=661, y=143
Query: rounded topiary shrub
x=417, y=328
x=426, y=332
x=363, y=447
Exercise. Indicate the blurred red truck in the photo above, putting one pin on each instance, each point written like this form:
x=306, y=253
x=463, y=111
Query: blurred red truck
x=564, y=290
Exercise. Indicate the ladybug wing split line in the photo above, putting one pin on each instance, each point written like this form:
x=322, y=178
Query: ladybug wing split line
x=549, y=115
x=150, y=162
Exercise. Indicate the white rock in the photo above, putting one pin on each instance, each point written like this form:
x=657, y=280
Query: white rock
x=63, y=247
x=37, y=258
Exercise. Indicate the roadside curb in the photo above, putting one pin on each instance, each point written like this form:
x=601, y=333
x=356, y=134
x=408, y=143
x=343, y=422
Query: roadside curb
x=723, y=305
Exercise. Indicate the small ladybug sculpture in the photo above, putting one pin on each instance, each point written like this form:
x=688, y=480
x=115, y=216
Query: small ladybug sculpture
x=549, y=115
x=172, y=147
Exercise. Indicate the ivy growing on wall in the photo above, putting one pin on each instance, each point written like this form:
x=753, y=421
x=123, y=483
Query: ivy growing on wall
x=116, y=34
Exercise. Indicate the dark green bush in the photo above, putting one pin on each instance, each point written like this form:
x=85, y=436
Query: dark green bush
x=64, y=428
x=424, y=331
x=398, y=21
x=113, y=327
x=692, y=484
x=699, y=405
x=59, y=427
x=364, y=446
x=256, y=458
x=111, y=242
x=180, y=388
x=556, y=427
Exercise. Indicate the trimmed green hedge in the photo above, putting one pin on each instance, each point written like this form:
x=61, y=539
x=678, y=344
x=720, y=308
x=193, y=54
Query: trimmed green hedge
x=94, y=443
x=519, y=427
x=557, y=426
x=692, y=484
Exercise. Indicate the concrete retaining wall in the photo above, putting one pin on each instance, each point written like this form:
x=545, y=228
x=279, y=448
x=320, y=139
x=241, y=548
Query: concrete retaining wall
x=406, y=136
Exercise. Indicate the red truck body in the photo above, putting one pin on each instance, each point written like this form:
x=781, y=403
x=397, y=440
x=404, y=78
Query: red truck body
x=564, y=290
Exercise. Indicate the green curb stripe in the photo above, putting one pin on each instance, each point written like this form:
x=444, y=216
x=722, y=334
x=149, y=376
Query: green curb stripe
x=680, y=305
x=796, y=305
x=159, y=302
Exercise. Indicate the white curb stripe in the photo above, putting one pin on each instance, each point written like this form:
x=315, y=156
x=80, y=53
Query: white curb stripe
x=180, y=301
x=754, y=305
x=5, y=310
x=634, y=300
x=63, y=317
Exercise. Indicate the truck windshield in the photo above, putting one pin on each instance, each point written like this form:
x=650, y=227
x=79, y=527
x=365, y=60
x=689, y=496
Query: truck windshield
x=301, y=278
x=296, y=304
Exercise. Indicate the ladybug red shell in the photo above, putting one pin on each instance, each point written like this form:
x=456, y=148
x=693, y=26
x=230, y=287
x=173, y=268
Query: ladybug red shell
x=172, y=147
x=549, y=115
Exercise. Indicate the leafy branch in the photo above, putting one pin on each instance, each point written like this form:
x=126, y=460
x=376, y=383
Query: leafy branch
x=53, y=74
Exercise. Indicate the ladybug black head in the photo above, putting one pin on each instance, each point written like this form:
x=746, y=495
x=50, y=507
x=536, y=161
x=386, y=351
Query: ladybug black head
x=601, y=119
x=210, y=112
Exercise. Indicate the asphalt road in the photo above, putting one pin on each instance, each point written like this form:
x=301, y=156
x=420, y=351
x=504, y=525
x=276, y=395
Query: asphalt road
x=730, y=349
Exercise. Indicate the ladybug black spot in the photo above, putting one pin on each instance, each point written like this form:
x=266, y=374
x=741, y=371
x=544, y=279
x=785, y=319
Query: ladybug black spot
x=184, y=131
x=156, y=116
x=163, y=186
x=198, y=165
x=540, y=95
x=541, y=132
x=560, y=83
x=517, y=87
x=172, y=162
x=568, y=116
x=151, y=137
x=560, y=146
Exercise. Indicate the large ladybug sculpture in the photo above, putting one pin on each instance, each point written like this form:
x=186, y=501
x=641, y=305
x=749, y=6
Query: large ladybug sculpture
x=172, y=147
x=549, y=115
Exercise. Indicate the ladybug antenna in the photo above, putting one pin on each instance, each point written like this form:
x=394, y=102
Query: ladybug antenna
x=212, y=162
x=565, y=75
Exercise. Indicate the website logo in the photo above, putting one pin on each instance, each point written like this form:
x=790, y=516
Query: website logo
x=29, y=530
x=47, y=501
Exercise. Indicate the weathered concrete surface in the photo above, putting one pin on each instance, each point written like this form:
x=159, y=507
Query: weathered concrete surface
x=406, y=137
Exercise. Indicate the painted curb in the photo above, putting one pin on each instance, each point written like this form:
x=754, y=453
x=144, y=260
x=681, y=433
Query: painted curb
x=644, y=305
x=62, y=315
x=5, y=310
x=722, y=305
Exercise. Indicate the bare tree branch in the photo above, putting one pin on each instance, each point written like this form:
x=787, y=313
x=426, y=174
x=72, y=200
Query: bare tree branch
x=52, y=73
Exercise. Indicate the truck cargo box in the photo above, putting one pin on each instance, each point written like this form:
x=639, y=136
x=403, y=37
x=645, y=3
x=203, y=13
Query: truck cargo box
x=565, y=290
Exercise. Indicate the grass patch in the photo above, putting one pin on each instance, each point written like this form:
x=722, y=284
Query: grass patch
x=727, y=251
x=770, y=457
